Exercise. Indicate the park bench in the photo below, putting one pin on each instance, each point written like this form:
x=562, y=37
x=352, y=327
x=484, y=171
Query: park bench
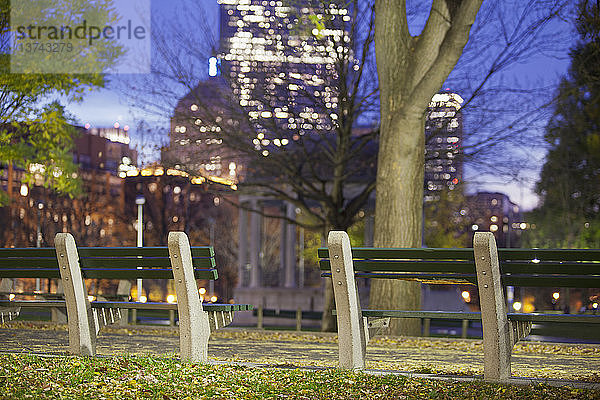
x=484, y=265
x=178, y=261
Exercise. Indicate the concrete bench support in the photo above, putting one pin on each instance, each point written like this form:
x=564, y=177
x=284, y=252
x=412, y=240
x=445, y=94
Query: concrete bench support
x=351, y=329
x=194, y=326
x=123, y=291
x=82, y=332
x=7, y=313
x=497, y=345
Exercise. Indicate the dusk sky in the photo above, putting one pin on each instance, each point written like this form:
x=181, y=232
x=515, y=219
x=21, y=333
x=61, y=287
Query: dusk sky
x=106, y=106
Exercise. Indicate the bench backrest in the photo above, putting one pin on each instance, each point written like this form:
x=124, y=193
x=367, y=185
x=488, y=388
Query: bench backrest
x=578, y=268
x=29, y=263
x=435, y=265
x=105, y=263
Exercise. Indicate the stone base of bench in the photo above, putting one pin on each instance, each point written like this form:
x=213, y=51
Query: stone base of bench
x=9, y=313
x=106, y=316
x=375, y=326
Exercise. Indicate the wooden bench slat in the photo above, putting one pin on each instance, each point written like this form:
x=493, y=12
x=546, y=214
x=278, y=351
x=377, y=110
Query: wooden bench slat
x=197, y=251
x=32, y=303
x=29, y=273
x=290, y=314
x=226, y=307
x=440, y=278
x=110, y=273
x=28, y=252
x=525, y=317
x=102, y=252
x=406, y=253
x=537, y=317
x=106, y=273
x=130, y=305
x=581, y=281
x=549, y=254
x=133, y=262
x=565, y=268
x=422, y=314
x=209, y=307
x=29, y=262
x=407, y=266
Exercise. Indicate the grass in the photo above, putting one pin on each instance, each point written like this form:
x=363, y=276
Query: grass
x=30, y=376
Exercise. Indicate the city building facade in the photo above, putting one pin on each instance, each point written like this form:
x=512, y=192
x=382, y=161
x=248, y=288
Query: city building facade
x=496, y=213
x=443, y=140
x=104, y=149
x=263, y=82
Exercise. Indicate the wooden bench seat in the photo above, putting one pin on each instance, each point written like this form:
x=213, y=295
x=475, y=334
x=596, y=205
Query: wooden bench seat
x=178, y=261
x=484, y=265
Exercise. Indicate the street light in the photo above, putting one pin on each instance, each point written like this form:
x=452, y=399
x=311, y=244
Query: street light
x=140, y=201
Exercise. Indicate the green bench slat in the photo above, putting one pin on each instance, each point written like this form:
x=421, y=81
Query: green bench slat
x=456, y=278
x=32, y=303
x=29, y=262
x=130, y=305
x=422, y=314
x=549, y=254
x=28, y=252
x=30, y=273
x=106, y=273
x=198, y=251
x=565, y=268
x=406, y=253
x=140, y=262
x=529, y=317
x=581, y=281
x=407, y=266
x=101, y=262
x=45, y=295
x=290, y=314
x=226, y=307
x=536, y=317
x=211, y=307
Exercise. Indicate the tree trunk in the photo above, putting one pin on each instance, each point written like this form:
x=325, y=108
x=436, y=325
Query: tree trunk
x=328, y=321
x=399, y=211
x=410, y=71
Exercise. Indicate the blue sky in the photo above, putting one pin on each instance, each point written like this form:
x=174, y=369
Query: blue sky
x=106, y=106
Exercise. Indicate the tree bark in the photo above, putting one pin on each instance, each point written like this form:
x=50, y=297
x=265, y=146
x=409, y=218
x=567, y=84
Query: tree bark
x=398, y=219
x=328, y=321
x=410, y=70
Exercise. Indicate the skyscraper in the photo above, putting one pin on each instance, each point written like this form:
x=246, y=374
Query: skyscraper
x=443, y=135
x=278, y=61
x=274, y=80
